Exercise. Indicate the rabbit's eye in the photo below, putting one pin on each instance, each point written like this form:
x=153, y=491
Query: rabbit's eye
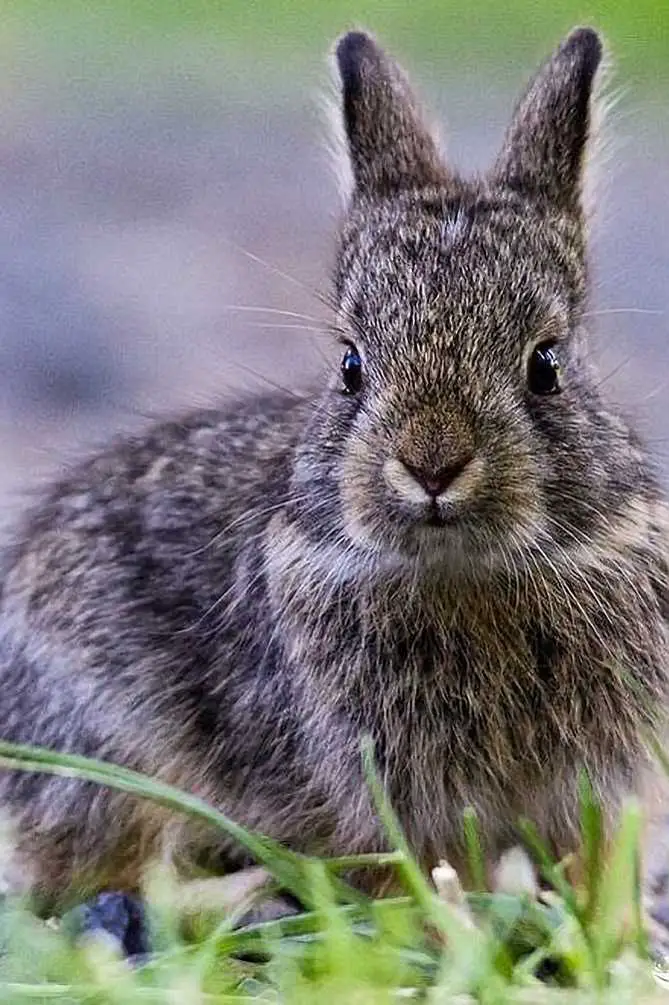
x=543, y=370
x=351, y=371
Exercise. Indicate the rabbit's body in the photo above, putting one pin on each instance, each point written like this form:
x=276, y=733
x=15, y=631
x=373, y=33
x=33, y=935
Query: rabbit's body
x=463, y=557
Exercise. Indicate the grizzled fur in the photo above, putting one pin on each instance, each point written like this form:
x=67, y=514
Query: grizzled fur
x=231, y=600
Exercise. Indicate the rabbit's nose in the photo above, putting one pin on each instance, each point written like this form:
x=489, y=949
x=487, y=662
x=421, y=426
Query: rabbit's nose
x=437, y=480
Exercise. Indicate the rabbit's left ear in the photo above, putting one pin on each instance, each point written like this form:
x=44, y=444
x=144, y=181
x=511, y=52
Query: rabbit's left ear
x=545, y=145
x=389, y=145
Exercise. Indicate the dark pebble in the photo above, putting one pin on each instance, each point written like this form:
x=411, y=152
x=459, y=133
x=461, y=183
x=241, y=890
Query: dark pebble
x=116, y=914
x=660, y=913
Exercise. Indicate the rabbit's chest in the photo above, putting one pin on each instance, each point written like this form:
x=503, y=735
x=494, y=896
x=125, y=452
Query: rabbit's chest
x=463, y=693
x=482, y=701
x=502, y=722
x=494, y=698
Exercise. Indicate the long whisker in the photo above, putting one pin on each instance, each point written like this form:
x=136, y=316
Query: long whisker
x=249, y=308
x=659, y=388
x=616, y=369
x=267, y=380
x=275, y=270
x=582, y=540
x=622, y=310
x=568, y=592
x=250, y=515
x=322, y=329
x=254, y=515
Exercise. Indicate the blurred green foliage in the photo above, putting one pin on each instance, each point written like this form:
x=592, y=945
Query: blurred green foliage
x=284, y=38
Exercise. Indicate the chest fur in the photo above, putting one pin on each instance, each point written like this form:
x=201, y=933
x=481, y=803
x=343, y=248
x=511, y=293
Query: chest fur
x=484, y=696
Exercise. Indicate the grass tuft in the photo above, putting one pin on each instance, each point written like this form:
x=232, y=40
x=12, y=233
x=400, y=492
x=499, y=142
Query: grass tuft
x=571, y=946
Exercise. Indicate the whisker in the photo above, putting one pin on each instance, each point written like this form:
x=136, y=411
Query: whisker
x=659, y=388
x=321, y=298
x=622, y=310
x=612, y=373
x=568, y=593
x=267, y=380
x=323, y=329
x=271, y=310
x=250, y=515
x=274, y=269
x=220, y=601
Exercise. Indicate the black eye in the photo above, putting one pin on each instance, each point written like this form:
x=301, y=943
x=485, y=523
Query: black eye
x=543, y=370
x=351, y=371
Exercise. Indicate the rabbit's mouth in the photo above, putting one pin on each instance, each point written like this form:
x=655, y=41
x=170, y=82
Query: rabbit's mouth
x=458, y=519
x=458, y=532
x=434, y=517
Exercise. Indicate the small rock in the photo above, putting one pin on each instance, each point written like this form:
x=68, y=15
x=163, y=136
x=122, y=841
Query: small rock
x=117, y=915
x=449, y=889
x=660, y=912
x=515, y=874
x=658, y=883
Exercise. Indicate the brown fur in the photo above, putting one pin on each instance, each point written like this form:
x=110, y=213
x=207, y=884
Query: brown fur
x=233, y=599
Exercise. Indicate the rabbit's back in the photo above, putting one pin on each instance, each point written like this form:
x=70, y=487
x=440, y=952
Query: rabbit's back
x=127, y=627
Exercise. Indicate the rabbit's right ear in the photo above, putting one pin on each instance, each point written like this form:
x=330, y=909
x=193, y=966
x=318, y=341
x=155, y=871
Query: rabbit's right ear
x=389, y=145
x=545, y=145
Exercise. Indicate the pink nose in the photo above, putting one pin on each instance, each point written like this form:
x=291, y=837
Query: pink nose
x=436, y=481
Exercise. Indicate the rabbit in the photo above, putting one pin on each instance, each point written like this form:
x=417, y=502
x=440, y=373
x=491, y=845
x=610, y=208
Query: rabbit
x=452, y=545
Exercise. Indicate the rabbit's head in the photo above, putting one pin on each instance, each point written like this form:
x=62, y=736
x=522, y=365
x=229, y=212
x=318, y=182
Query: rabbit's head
x=462, y=424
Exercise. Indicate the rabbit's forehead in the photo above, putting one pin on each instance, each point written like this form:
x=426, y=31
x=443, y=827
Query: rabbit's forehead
x=449, y=276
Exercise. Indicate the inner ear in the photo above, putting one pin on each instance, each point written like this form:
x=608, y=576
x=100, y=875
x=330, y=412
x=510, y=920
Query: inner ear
x=389, y=143
x=544, y=149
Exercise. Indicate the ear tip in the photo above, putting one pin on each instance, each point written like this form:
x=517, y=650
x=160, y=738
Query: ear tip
x=586, y=45
x=350, y=51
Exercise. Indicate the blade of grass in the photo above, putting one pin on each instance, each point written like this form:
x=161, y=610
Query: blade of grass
x=206, y=954
x=618, y=890
x=474, y=847
x=469, y=954
x=308, y=923
x=341, y=949
x=373, y=860
x=592, y=837
x=408, y=868
x=288, y=867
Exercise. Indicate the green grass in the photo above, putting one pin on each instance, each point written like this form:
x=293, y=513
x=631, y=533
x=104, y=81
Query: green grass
x=256, y=46
x=346, y=948
x=429, y=27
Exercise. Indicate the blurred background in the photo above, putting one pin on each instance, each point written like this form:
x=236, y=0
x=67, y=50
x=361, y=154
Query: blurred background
x=163, y=166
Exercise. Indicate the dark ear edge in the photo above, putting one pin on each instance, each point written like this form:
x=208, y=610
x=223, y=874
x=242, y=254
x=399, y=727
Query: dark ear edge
x=587, y=43
x=349, y=51
x=545, y=145
x=390, y=146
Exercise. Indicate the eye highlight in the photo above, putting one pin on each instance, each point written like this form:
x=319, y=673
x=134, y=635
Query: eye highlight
x=351, y=371
x=543, y=370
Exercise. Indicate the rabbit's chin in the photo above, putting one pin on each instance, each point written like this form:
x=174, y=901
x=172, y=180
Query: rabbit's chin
x=450, y=545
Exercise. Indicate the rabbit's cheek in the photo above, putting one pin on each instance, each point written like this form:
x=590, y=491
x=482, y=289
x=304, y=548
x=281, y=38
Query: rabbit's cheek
x=358, y=490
